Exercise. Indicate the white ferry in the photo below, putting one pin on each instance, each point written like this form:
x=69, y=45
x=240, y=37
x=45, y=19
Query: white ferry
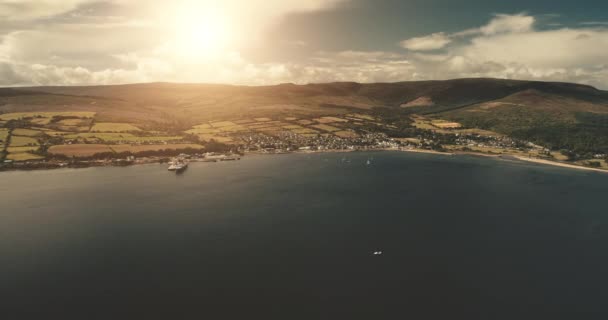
x=178, y=165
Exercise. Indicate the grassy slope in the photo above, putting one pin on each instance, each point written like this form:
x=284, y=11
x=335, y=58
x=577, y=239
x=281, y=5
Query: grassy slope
x=573, y=122
x=445, y=94
x=522, y=108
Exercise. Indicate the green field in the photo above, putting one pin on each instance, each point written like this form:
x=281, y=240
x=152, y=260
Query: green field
x=41, y=121
x=361, y=116
x=158, y=147
x=88, y=150
x=221, y=124
x=23, y=156
x=18, y=141
x=235, y=128
x=54, y=133
x=292, y=127
x=423, y=123
x=3, y=135
x=203, y=131
x=203, y=126
x=221, y=139
x=325, y=127
x=329, y=120
x=305, y=122
x=346, y=134
x=21, y=149
x=304, y=131
x=73, y=129
x=79, y=150
x=118, y=137
x=244, y=121
x=27, y=132
x=114, y=127
x=24, y=115
x=74, y=122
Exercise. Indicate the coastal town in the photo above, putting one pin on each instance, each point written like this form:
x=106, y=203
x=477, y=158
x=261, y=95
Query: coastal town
x=33, y=140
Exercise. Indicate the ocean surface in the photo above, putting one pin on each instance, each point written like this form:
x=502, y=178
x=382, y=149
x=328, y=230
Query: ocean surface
x=293, y=236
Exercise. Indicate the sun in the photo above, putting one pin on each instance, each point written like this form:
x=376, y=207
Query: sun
x=201, y=31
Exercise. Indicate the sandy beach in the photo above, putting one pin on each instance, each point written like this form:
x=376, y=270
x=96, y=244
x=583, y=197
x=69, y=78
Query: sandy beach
x=515, y=157
x=423, y=151
x=558, y=164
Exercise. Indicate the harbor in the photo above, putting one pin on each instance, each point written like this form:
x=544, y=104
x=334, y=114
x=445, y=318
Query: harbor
x=180, y=163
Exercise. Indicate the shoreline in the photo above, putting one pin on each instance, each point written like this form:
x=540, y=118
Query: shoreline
x=426, y=151
x=557, y=164
x=504, y=157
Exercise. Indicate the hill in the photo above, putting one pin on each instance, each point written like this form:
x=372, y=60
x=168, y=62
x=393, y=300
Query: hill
x=557, y=120
x=556, y=114
x=445, y=95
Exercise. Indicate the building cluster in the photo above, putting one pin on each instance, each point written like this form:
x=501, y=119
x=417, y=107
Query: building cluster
x=500, y=142
x=287, y=141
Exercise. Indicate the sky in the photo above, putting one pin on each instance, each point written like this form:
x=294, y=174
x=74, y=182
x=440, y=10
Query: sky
x=260, y=42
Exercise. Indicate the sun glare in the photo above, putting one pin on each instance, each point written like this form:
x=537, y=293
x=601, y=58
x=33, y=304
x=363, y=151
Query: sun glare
x=201, y=32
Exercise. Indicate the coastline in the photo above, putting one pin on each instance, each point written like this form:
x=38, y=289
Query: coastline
x=424, y=151
x=557, y=164
x=506, y=156
x=511, y=157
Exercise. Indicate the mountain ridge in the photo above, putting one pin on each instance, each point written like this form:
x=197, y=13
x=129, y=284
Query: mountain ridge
x=456, y=99
x=446, y=94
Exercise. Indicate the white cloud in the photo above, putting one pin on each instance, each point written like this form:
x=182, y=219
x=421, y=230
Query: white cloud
x=504, y=23
x=117, y=41
x=510, y=46
x=500, y=24
x=160, y=65
x=431, y=42
x=562, y=48
x=595, y=23
x=90, y=52
x=34, y=9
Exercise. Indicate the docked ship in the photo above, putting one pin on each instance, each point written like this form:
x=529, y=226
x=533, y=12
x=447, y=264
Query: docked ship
x=178, y=165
